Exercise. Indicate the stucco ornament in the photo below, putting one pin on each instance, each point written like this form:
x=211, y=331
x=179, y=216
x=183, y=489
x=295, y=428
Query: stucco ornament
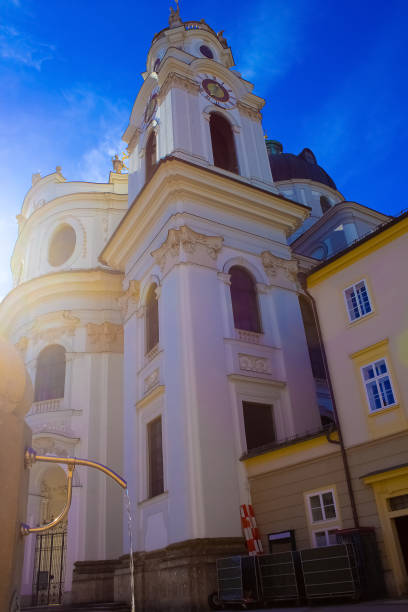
x=16, y=391
x=104, y=338
x=152, y=380
x=53, y=325
x=129, y=300
x=186, y=245
x=280, y=271
x=22, y=345
x=253, y=363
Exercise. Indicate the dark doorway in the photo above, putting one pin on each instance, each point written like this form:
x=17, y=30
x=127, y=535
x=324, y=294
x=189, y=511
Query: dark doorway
x=401, y=524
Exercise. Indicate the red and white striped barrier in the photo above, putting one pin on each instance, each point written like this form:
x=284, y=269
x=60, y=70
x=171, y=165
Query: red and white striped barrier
x=250, y=530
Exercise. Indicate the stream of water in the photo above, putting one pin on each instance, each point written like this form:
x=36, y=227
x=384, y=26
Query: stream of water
x=131, y=564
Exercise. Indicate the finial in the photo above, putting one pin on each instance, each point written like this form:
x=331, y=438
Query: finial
x=35, y=178
x=174, y=19
x=58, y=169
x=117, y=164
x=222, y=39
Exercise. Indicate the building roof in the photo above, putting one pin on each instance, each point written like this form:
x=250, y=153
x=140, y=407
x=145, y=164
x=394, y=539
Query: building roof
x=370, y=236
x=287, y=166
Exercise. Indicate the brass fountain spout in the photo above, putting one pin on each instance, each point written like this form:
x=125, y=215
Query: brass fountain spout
x=31, y=457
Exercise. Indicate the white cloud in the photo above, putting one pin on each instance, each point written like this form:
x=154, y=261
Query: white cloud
x=274, y=33
x=106, y=120
x=96, y=162
x=20, y=48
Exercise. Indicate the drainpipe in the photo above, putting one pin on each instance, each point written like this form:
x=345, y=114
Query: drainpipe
x=336, y=415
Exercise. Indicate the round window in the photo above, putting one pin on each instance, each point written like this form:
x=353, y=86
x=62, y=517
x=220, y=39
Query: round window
x=62, y=245
x=207, y=51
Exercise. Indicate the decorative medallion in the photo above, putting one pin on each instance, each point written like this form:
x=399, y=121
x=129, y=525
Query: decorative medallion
x=216, y=91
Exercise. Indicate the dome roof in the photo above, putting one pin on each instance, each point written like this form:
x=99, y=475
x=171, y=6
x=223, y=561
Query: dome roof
x=287, y=166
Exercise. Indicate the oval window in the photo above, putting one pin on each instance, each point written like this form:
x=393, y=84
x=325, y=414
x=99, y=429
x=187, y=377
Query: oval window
x=206, y=51
x=62, y=245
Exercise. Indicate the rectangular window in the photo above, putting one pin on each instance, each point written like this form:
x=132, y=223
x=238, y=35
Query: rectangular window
x=325, y=537
x=357, y=301
x=322, y=506
x=378, y=385
x=283, y=541
x=155, y=457
x=400, y=502
x=259, y=426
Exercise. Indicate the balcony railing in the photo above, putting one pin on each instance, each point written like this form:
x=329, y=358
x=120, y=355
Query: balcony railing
x=248, y=336
x=51, y=405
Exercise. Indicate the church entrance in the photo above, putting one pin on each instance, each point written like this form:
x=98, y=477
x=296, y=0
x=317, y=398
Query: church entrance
x=50, y=546
x=48, y=577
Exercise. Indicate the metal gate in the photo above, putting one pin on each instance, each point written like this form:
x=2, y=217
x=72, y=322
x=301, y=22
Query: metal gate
x=49, y=561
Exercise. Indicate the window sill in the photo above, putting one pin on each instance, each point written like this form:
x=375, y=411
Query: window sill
x=370, y=315
x=323, y=522
x=390, y=408
x=153, y=500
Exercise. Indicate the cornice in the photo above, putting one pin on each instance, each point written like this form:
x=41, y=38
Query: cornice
x=174, y=177
x=179, y=81
x=108, y=189
x=249, y=111
x=302, y=181
x=24, y=297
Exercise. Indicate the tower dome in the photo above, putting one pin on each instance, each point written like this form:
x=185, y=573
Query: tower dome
x=287, y=166
x=188, y=40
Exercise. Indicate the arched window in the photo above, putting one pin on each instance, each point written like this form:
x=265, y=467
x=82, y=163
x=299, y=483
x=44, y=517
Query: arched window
x=50, y=375
x=324, y=204
x=151, y=155
x=223, y=145
x=152, y=319
x=312, y=338
x=244, y=300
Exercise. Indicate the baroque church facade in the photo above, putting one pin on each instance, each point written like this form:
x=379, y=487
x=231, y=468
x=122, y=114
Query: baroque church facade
x=164, y=320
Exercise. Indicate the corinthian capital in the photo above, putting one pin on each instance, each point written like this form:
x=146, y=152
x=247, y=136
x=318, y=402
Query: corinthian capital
x=279, y=270
x=186, y=245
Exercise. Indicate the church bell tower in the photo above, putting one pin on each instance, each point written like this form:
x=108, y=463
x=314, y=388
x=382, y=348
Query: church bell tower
x=194, y=106
x=215, y=356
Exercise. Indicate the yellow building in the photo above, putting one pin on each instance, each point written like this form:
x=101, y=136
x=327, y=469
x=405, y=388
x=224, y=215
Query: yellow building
x=300, y=489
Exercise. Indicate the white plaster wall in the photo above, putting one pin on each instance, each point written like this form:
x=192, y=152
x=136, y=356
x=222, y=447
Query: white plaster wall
x=201, y=406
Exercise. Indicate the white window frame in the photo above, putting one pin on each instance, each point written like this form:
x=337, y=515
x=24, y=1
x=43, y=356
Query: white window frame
x=360, y=313
x=376, y=378
x=324, y=519
x=326, y=533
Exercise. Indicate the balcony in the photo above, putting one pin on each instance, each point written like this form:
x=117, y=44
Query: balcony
x=51, y=405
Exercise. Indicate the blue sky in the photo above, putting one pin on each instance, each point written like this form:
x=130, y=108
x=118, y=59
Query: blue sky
x=334, y=76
